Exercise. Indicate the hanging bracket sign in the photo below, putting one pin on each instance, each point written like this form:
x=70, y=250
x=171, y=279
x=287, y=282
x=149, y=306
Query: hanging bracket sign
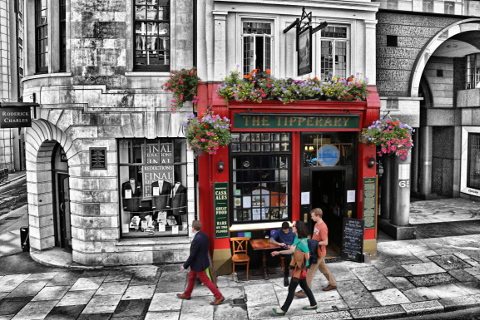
x=16, y=115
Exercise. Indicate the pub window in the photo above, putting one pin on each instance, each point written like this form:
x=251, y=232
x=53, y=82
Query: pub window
x=473, y=169
x=41, y=36
x=152, y=35
x=328, y=150
x=449, y=7
x=153, y=187
x=257, y=46
x=428, y=5
x=260, y=183
x=334, y=52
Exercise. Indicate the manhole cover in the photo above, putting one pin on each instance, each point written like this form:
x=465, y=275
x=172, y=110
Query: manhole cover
x=239, y=302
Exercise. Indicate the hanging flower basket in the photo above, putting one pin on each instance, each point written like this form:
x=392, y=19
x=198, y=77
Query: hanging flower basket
x=391, y=137
x=183, y=84
x=258, y=86
x=207, y=133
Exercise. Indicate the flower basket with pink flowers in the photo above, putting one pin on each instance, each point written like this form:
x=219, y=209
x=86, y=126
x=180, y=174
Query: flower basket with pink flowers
x=207, y=133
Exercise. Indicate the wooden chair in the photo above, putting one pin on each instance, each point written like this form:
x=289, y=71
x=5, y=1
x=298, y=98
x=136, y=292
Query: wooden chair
x=239, y=253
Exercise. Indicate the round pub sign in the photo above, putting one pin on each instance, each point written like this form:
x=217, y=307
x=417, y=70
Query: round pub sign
x=328, y=155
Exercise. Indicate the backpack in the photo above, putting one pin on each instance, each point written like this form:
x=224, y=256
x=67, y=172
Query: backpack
x=313, y=247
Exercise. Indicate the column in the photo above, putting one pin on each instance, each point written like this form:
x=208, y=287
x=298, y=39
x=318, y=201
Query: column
x=400, y=183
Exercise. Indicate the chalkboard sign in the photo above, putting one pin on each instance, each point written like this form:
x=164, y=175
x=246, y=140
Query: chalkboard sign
x=352, y=240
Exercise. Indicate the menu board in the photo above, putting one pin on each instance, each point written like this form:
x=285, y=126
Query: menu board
x=369, y=202
x=159, y=159
x=352, y=239
x=220, y=195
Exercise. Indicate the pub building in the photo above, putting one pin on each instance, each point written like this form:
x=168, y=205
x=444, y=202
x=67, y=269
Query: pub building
x=283, y=161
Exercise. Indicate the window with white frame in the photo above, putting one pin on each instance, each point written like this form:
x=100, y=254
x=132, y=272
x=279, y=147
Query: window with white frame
x=256, y=45
x=473, y=71
x=333, y=52
x=41, y=36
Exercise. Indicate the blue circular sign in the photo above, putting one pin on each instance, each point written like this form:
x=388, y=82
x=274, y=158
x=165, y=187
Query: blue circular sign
x=328, y=155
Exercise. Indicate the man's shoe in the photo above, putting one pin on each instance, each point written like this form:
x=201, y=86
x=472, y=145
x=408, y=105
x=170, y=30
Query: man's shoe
x=300, y=294
x=329, y=287
x=182, y=296
x=285, y=282
x=217, y=301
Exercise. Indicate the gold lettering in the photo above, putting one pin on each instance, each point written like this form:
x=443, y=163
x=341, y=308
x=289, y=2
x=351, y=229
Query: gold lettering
x=292, y=121
x=309, y=122
x=279, y=121
x=318, y=122
x=301, y=121
x=256, y=121
x=265, y=122
x=345, y=121
x=338, y=122
x=246, y=118
x=328, y=122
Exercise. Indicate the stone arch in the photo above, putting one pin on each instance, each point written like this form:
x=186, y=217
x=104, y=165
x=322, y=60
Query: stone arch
x=443, y=35
x=40, y=141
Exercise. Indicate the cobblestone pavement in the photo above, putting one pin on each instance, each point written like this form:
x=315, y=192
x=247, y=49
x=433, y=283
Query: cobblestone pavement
x=435, y=273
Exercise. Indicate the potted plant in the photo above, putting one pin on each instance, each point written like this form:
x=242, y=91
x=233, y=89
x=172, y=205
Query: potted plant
x=391, y=137
x=183, y=84
x=258, y=86
x=207, y=133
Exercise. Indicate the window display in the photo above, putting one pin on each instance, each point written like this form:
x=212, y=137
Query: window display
x=153, y=191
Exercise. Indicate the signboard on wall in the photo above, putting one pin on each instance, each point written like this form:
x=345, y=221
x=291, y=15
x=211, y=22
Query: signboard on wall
x=369, y=202
x=98, y=158
x=15, y=117
x=159, y=159
x=220, y=196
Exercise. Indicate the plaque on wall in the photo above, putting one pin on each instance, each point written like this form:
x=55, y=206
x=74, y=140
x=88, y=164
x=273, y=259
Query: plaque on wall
x=98, y=158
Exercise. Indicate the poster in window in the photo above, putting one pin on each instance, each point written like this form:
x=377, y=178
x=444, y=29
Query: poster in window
x=304, y=51
x=159, y=159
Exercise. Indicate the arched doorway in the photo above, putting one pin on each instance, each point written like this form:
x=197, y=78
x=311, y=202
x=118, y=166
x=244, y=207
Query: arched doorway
x=61, y=203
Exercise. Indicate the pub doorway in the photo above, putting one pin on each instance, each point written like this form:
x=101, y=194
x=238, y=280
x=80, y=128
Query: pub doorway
x=61, y=192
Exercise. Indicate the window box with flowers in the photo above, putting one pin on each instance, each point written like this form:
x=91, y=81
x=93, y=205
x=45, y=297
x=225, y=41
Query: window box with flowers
x=183, y=84
x=207, y=133
x=259, y=86
x=391, y=137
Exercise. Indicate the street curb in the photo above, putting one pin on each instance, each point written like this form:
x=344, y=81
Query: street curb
x=45, y=258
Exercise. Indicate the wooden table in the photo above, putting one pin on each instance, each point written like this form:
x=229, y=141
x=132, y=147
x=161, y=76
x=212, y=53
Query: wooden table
x=263, y=245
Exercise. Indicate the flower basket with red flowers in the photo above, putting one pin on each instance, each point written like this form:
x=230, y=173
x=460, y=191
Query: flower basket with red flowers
x=183, y=84
x=207, y=133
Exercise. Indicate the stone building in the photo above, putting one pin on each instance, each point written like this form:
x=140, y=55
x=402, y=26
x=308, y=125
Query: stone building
x=96, y=68
x=428, y=77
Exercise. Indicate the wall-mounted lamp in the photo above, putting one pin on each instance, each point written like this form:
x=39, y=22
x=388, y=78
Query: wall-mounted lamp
x=371, y=162
x=221, y=166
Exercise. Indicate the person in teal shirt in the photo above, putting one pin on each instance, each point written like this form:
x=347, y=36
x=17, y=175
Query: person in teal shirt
x=300, y=254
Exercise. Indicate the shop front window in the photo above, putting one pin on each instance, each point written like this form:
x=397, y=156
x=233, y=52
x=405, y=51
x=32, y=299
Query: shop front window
x=261, y=171
x=328, y=150
x=153, y=190
x=473, y=179
x=473, y=71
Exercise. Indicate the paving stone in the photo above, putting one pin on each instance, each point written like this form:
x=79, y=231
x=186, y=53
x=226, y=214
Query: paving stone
x=64, y=279
x=65, y=312
x=420, y=294
x=165, y=302
x=472, y=287
x=449, y=262
x=13, y=305
x=324, y=316
x=115, y=287
x=389, y=267
x=36, y=310
x=197, y=308
x=118, y=276
x=356, y=295
x=390, y=297
x=8, y=283
x=459, y=302
x=462, y=275
x=171, y=315
x=91, y=283
x=331, y=305
x=139, y=292
x=172, y=282
x=42, y=276
x=372, y=279
x=132, y=308
x=97, y=316
x=379, y=312
x=28, y=288
x=423, y=268
x=230, y=312
x=76, y=297
x=261, y=295
x=102, y=304
x=431, y=279
x=475, y=271
x=448, y=290
x=51, y=293
x=401, y=283
x=422, y=307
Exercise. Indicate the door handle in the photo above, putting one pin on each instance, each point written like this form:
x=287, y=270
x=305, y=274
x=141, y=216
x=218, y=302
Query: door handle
x=62, y=206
